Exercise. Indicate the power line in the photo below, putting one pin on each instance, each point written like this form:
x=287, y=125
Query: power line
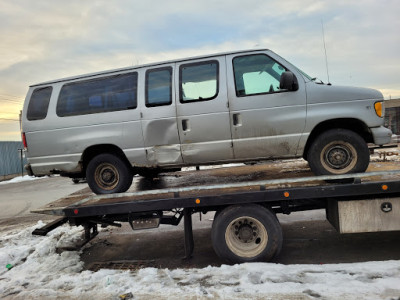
x=8, y=96
x=12, y=101
x=10, y=112
x=5, y=119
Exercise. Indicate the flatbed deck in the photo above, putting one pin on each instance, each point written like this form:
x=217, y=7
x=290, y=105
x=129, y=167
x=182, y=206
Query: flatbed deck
x=224, y=183
x=246, y=199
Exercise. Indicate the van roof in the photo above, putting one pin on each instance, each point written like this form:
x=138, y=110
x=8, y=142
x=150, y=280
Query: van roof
x=142, y=66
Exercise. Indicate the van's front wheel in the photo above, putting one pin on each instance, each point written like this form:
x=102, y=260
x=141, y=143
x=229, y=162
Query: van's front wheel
x=337, y=152
x=107, y=174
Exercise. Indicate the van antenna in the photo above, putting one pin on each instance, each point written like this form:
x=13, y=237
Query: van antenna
x=326, y=56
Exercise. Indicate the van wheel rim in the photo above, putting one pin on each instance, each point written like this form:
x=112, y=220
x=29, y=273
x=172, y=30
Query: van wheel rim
x=339, y=157
x=106, y=176
x=246, y=237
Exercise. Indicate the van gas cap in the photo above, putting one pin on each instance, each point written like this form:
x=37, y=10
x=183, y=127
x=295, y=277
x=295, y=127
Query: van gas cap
x=386, y=207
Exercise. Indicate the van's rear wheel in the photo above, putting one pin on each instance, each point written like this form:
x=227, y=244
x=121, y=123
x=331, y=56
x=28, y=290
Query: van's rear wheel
x=246, y=234
x=337, y=152
x=107, y=174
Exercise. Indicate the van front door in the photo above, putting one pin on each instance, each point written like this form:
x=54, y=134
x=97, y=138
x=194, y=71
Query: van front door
x=202, y=111
x=266, y=122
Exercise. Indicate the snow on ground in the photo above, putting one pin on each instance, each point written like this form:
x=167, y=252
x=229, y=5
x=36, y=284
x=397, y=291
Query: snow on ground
x=22, y=179
x=39, y=272
x=388, y=154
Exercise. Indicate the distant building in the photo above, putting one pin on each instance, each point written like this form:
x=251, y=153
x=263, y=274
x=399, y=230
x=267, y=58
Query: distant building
x=392, y=115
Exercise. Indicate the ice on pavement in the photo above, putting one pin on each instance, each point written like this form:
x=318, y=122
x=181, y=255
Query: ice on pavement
x=22, y=179
x=39, y=272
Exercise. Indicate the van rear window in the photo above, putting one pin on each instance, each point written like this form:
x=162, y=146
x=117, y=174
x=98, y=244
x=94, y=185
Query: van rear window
x=39, y=103
x=108, y=94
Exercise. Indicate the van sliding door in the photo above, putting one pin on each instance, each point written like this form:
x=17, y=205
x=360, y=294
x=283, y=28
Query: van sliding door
x=159, y=121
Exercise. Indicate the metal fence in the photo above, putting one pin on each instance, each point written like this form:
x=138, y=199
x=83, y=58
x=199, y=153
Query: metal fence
x=392, y=119
x=10, y=158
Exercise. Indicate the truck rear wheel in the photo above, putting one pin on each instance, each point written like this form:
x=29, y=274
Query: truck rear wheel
x=337, y=152
x=107, y=174
x=246, y=233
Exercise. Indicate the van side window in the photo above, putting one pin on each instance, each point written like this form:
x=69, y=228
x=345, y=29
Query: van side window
x=159, y=87
x=256, y=74
x=99, y=95
x=39, y=103
x=198, y=81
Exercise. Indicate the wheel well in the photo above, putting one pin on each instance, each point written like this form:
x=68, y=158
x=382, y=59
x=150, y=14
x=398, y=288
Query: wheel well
x=350, y=124
x=95, y=150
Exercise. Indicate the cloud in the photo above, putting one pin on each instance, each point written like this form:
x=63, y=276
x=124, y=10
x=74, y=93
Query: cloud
x=43, y=40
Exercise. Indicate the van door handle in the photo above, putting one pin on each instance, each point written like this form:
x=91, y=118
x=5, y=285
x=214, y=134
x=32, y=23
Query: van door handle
x=185, y=125
x=237, y=119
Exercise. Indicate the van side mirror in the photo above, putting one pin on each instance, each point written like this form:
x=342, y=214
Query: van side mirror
x=288, y=82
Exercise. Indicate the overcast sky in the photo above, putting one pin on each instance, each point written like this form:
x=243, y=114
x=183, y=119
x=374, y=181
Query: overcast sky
x=44, y=40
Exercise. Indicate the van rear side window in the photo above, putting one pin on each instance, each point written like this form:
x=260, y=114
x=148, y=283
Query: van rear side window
x=99, y=95
x=39, y=103
x=159, y=87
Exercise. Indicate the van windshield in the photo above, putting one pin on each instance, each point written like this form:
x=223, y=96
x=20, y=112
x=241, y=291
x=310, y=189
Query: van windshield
x=298, y=69
x=305, y=74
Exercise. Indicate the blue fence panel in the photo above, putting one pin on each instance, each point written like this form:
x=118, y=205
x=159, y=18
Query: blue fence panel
x=10, y=158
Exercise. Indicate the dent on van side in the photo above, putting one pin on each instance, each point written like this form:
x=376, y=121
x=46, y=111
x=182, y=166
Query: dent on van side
x=230, y=107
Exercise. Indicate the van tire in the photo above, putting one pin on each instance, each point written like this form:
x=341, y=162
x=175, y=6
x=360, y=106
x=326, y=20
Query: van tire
x=246, y=233
x=107, y=174
x=338, y=152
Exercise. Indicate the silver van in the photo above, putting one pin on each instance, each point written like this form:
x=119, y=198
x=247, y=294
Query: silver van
x=230, y=107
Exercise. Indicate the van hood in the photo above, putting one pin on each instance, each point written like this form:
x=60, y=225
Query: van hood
x=317, y=93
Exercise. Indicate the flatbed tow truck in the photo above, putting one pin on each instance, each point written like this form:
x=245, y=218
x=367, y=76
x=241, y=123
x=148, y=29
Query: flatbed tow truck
x=246, y=200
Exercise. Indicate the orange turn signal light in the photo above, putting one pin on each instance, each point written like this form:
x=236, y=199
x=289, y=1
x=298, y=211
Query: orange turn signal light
x=379, y=109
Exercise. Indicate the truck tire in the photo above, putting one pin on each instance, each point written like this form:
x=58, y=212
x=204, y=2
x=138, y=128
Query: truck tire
x=246, y=233
x=337, y=152
x=107, y=174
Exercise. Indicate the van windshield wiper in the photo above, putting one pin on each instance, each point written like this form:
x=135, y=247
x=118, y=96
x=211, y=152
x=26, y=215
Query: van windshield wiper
x=319, y=80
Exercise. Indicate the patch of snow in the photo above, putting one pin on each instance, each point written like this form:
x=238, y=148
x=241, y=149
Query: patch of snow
x=389, y=154
x=22, y=179
x=39, y=272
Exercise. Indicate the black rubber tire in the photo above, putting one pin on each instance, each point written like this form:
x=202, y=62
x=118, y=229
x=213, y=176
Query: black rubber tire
x=246, y=233
x=338, y=152
x=107, y=174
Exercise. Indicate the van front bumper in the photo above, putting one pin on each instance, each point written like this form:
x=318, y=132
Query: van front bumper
x=381, y=135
